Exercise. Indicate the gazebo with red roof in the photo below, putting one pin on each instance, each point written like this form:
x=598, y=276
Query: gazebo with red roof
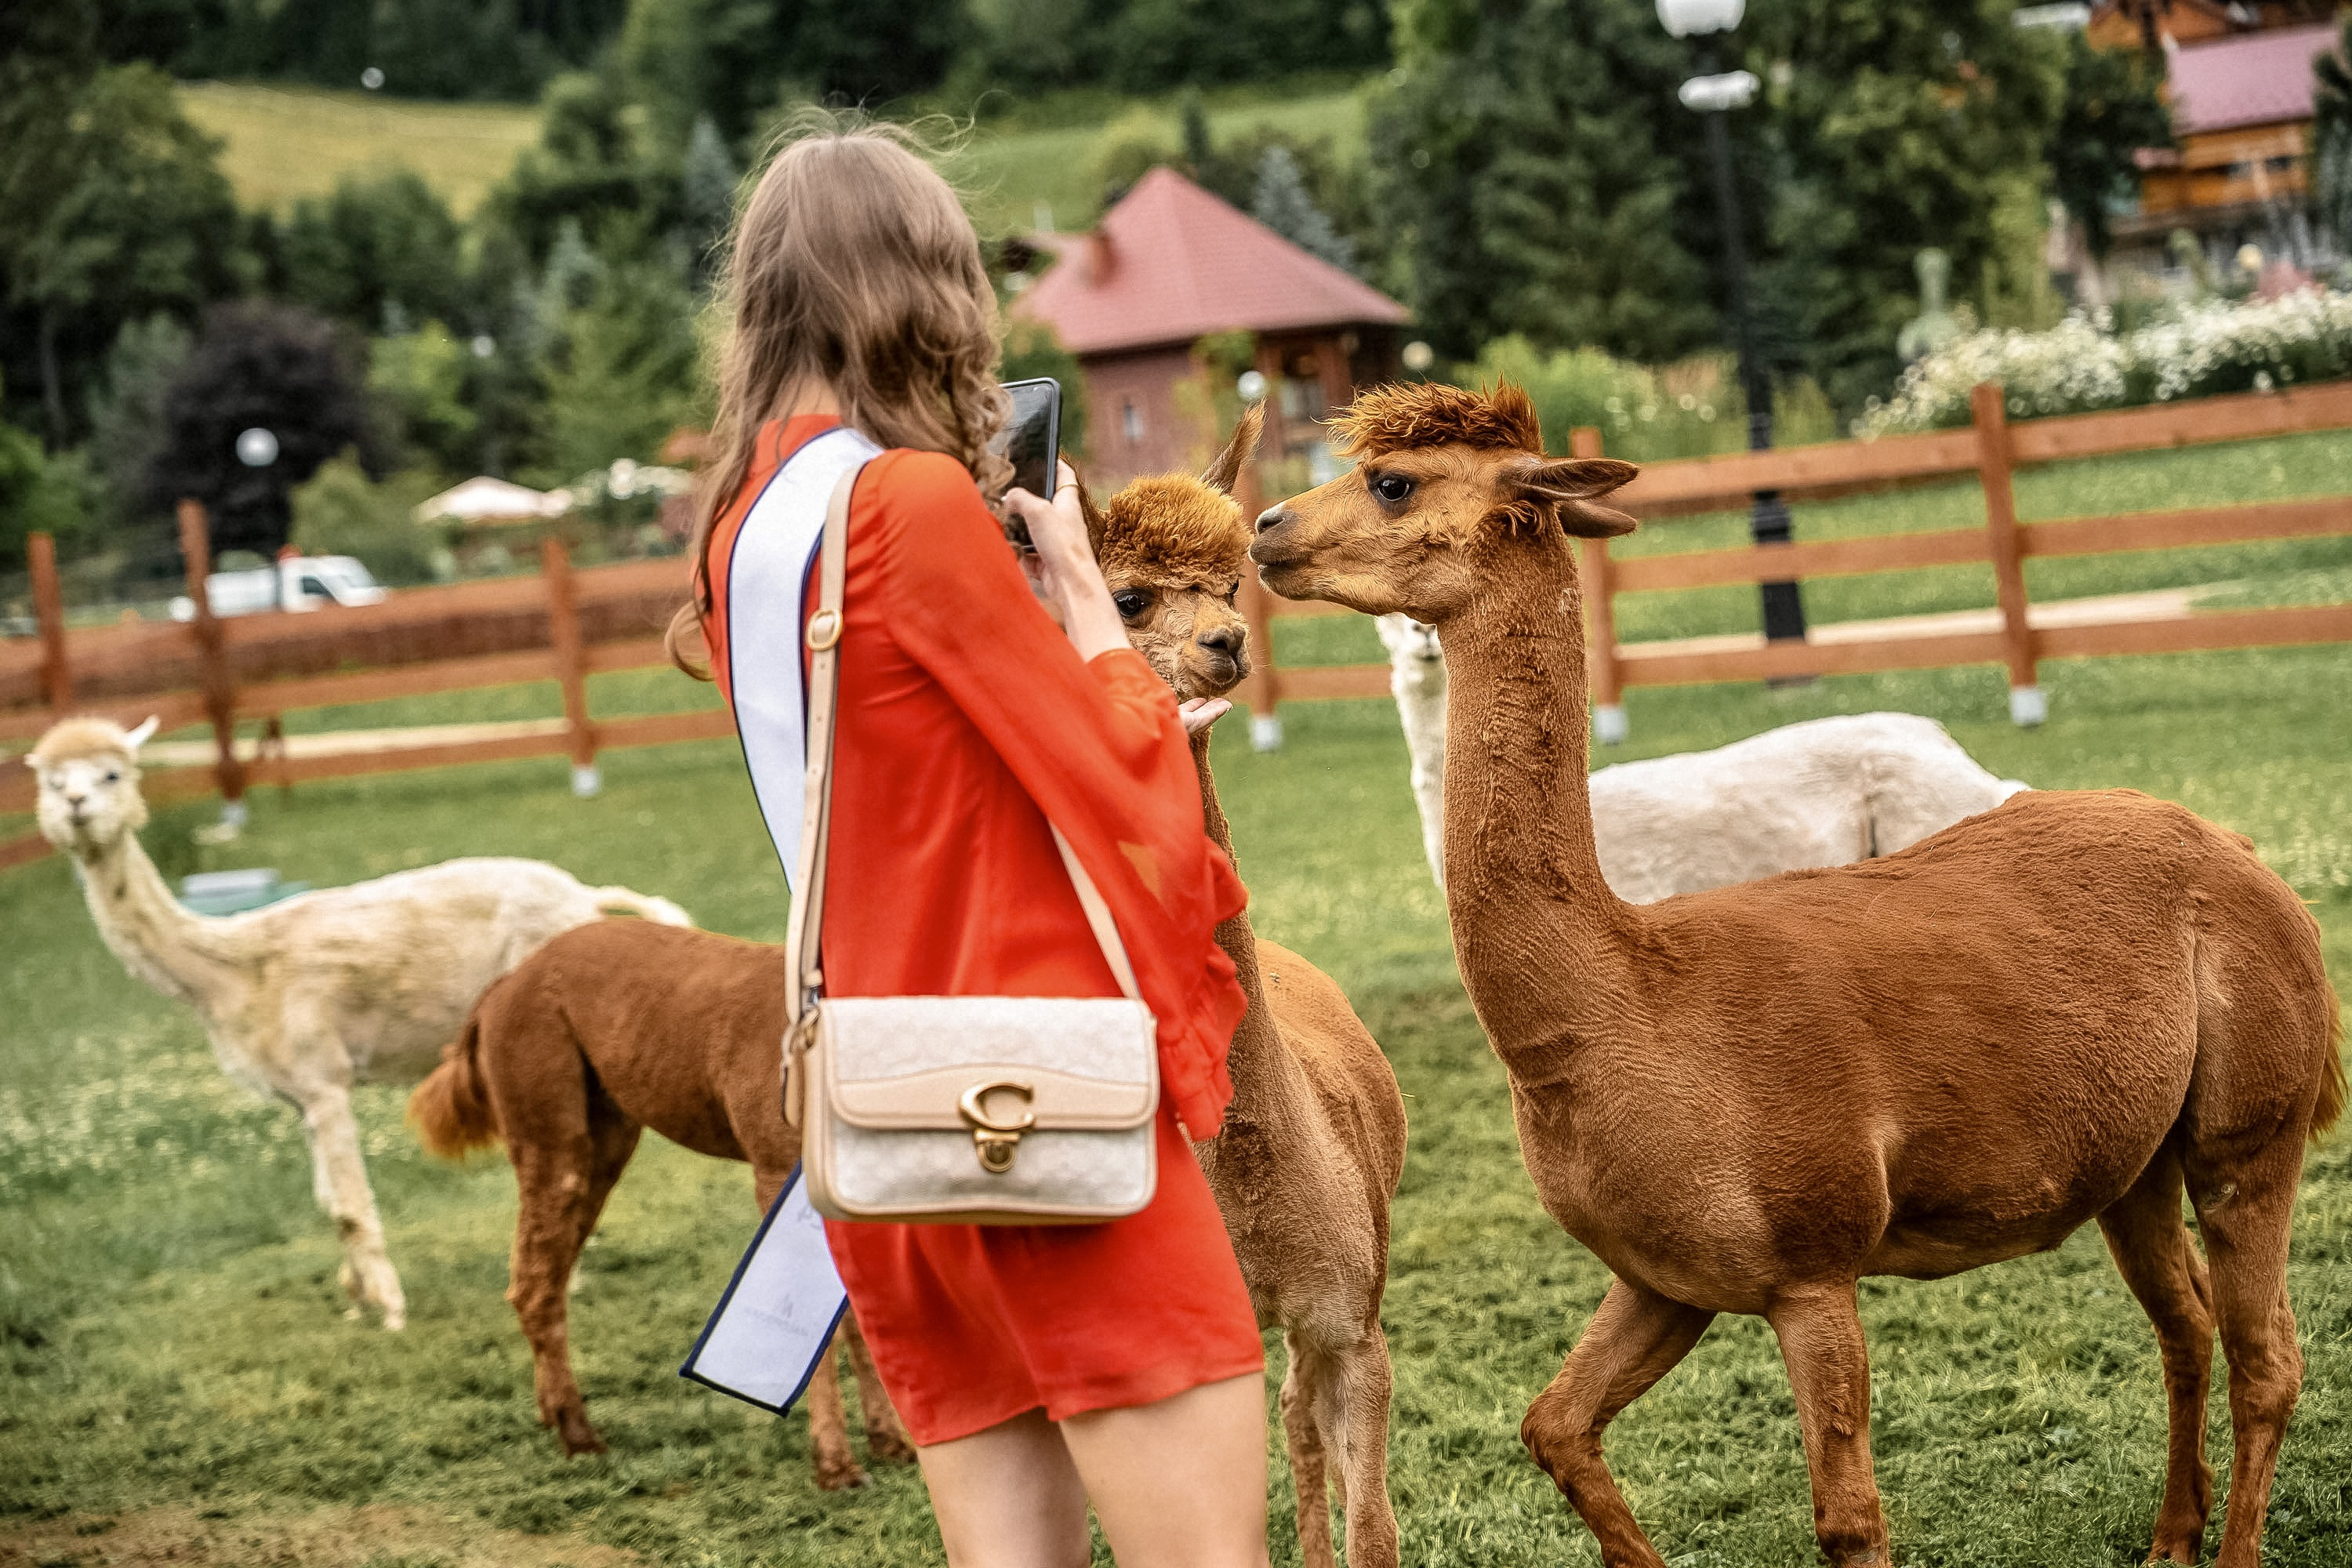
x=1170, y=264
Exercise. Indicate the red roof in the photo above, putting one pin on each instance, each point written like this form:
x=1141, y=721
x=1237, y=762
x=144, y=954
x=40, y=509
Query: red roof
x=1171, y=263
x=2254, y=78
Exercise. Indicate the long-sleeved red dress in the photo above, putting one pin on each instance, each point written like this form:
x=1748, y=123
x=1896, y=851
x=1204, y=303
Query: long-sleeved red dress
x=963, y=709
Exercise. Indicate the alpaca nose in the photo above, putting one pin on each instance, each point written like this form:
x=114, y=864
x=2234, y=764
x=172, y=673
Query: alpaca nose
x=1272, y=518
x=1226, y=640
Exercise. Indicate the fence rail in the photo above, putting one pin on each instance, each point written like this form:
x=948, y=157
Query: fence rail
x=1990, y=451
x=565, y=625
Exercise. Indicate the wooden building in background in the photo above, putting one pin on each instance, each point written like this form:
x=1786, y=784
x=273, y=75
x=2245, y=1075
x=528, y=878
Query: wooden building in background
x=1170, y=264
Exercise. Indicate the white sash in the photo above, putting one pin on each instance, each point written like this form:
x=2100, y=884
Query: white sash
x=776, y=1320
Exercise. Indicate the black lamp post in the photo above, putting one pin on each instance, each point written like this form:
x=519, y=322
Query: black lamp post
x=1713, y=96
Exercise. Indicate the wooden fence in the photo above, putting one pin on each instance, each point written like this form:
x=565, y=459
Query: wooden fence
x=1991, y=450
x=565, y=625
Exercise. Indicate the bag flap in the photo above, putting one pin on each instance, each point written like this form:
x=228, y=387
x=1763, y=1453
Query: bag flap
x=1010, y=1099
x=1042, y=1063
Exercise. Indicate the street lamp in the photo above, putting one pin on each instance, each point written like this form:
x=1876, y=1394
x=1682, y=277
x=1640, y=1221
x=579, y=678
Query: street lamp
x=1712, y=95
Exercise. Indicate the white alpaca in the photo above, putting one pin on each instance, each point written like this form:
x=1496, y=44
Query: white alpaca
x=1821, y=793
x=302, y=999
x=1417, y=678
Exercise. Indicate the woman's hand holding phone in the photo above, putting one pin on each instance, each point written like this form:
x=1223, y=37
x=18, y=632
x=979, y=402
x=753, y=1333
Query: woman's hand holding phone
x=1063, y=570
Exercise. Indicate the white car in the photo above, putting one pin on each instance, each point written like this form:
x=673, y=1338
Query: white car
x=296, y=583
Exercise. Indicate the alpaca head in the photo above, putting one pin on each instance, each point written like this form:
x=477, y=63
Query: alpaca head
x=89, y=774
x=1172, y=549
x=1411, y=643
x=1448, y=485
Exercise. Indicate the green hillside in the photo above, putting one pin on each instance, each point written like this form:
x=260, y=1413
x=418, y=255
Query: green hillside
x=286, y=143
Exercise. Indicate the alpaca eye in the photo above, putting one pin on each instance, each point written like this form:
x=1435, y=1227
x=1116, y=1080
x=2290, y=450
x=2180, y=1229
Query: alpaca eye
x=113, y=777
x=1392, y=487
x=1128, y=603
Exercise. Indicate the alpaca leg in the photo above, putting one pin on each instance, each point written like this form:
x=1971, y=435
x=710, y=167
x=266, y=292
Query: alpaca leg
x=1634, y=1338
x=1829, y=1366
x=2152, y=1251
x=1301, y=1435
x=886, y=1440
x=555, y=1177
x=338, y=1178
x=2243, y=1217
x=837, y=1468
x=1356, y=1412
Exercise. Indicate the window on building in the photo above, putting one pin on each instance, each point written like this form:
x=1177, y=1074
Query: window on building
x=1130, y=420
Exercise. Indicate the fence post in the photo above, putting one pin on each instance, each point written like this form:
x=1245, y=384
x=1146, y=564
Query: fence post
x=571, y=664
x=1609, y=725
x=212, y=649
x=1257, y=609
x=49, y=609
x=1987, y=405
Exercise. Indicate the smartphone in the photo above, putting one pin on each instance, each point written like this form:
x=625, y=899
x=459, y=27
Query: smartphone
x=1032, y=441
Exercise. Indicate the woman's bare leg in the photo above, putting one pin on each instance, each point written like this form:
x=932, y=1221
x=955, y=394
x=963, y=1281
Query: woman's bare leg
x=1181, y=1483
x=1008, y=1498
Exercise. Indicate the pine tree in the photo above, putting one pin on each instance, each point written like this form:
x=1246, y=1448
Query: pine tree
x=2331, y=138
x=1283, y=205
x=707, y=191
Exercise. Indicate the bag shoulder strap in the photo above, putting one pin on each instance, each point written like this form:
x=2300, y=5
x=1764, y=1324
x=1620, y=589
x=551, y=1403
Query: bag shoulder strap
x=823, y=639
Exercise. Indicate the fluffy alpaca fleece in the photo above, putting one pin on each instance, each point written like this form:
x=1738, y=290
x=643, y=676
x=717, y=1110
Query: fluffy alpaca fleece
x=607, y=1030
x=1313, y=1146
x=303, y=999
x=1823, y=792
x=2082, y=1005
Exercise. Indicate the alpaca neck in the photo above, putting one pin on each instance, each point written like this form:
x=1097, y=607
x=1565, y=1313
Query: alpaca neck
x=157, y=938
x=1257, y=1062
x=1542, y=942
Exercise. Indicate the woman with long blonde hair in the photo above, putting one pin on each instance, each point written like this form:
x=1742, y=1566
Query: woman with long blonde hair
x=1038, y=1369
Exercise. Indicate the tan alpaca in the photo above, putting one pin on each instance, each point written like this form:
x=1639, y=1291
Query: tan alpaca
x=1313, y=1145
x=305, y=998
x=2068, y=1009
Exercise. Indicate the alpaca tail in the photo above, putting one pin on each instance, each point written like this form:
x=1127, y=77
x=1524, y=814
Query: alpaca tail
x=644, y=906
x=449, y=1111
x=2331, y=1071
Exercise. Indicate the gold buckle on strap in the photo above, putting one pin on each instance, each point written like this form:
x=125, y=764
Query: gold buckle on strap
x=824, y=630
x=995, y=1141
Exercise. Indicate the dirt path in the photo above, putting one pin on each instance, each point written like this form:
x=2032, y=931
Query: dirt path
x=326, y=1538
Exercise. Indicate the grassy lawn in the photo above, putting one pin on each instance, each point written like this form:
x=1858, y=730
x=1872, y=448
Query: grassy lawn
x=288, y=142
x=178, y=1370
x=283, y=142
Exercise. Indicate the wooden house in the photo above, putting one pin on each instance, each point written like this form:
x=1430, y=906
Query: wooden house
x=1170, y=264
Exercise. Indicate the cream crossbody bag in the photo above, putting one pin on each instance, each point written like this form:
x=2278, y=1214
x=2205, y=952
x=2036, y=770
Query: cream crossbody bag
x=956, y=1109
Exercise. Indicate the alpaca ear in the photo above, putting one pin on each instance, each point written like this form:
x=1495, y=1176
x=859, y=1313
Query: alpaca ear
x=1226, y=471
x=1097, y=525
x=141, y=735
x=1568, y=486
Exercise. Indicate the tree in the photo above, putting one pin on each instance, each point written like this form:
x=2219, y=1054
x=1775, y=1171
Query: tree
x=376, y=251
x=111, y=210
x=2113, y=106
x=1528, y=177
x=623, y=374
x=2331, y=140
x=126, y=418
x=707, y=195
x=278, y=368
x=1283, y=204
x=1898, y=126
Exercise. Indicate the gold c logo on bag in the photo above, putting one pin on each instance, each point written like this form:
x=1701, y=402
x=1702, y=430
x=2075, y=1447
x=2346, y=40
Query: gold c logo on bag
x=996, y=1141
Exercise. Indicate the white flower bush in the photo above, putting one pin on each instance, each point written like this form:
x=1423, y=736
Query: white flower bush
x=2209, y=346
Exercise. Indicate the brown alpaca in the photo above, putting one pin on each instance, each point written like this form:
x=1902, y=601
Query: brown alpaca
x=2070, y=1007
x=1313, y=1145
x=607, y=1030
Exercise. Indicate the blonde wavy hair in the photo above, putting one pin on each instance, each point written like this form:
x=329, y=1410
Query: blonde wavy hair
x=852, y=265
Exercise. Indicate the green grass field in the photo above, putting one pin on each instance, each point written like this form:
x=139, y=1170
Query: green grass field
x=178, y=1369
x=284, y=142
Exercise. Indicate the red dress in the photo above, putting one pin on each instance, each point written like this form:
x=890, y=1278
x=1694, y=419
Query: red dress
x=963, y=709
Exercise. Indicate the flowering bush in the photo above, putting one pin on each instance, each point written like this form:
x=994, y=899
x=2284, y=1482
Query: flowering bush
x=2195, y=350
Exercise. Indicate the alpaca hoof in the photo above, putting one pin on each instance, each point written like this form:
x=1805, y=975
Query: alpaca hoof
x=890, y=1449
x=395, y=1320
x=351, y=1314
x=841, y=1476
x=579, y=1440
